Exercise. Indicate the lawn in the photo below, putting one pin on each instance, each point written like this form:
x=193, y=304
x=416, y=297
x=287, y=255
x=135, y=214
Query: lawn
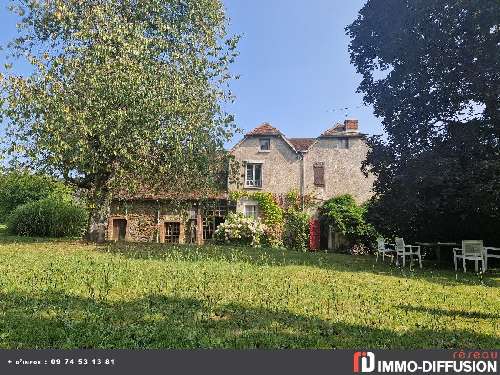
x=63, y=294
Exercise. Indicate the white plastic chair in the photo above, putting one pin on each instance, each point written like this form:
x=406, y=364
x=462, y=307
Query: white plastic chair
x=471, y=250
x=382, y=248
x=489, y=253
x=404, y=251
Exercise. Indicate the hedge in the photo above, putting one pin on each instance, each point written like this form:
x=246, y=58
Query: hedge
x=48, y=218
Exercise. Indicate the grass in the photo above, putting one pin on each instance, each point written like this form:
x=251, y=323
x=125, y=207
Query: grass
x=64, y=294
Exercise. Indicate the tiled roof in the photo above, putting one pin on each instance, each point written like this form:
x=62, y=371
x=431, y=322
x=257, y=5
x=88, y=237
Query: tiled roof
x=264, y=129
x=335, y=130
x=301, y=144
x=144, y=193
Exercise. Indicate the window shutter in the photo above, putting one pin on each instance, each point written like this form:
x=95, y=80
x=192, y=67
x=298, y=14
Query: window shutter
x=319, y=174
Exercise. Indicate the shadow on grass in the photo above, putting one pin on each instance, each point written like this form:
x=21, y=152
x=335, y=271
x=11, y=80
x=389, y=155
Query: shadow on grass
x=273, y=257
x=58, y=320
x=449, y=313
x=7, y=238
x=280, y=257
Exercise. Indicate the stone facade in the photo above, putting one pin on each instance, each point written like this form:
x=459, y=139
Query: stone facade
x=281, y=165
x=321, y=167
x=288, y=163
x=155, y=220
x=342, y=168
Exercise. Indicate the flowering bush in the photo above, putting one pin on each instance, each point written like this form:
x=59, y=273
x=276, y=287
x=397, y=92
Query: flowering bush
x=238, y=229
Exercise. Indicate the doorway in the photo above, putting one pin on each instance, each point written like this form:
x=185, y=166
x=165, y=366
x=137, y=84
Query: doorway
x=119, y=229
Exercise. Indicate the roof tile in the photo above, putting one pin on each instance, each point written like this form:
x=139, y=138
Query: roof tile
x=335, y=130
x=301, y=144
x=264, y=129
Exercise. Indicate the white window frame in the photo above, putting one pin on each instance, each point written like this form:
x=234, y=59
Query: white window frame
x=252, y=183
x=251, y=210
x=260, y=144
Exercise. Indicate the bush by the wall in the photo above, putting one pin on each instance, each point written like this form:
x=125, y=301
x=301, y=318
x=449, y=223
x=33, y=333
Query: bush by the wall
x=48, y=217
x=240, y=230
x=349, y=219
x=20, y=187
x=272, y=215
x=296, y=230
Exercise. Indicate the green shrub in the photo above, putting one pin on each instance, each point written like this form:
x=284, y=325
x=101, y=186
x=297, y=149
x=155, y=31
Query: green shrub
x=296, y=230
x=240, y=230
x=48, y=217
x=19, y=187
x=272, y=215
x=349, y=219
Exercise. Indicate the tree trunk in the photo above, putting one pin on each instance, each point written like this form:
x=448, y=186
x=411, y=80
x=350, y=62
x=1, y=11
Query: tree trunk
x=98, y=218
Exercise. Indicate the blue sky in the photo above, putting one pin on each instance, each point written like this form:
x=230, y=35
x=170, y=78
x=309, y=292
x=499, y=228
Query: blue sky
x=294, y=65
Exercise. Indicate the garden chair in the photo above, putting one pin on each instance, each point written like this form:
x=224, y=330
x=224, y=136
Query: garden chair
x=404, y=251
x=489, y=253
x=471, y=250
x=383, y=249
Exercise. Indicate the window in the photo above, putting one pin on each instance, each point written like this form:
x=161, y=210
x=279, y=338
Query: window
x=172, y=232
x=251, y=210
x=210, y=224
x=319, y=174
x=253, y=175
x=265, y=144
x=341, y=143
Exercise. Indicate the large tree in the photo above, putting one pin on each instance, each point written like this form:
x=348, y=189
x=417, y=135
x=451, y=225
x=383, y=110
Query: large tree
x=121, y=91
x=431, y=70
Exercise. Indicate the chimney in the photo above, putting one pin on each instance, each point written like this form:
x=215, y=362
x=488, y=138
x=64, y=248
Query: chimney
x=351, y=125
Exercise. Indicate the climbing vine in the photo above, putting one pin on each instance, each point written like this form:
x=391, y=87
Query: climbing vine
x=272, y=214
x=285, y=221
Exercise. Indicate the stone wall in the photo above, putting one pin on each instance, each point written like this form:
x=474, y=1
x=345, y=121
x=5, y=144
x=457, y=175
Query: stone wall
x=146, y=219
x=342, y=170
x=280, y=165
x=283, y=168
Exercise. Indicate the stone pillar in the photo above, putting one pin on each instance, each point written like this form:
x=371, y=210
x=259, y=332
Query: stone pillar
x=199, y=227
x=161, y=231
x=330, y=238
x=182, y=230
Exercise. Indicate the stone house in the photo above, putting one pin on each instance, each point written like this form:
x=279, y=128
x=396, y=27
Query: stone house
x=161, y=218
x=321, y=167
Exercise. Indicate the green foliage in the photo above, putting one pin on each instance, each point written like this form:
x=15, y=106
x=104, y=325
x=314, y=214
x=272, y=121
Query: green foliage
x=349, y=219
x=240, y=230
x=438, y=167
x=49, y=217
x=296, y=230
x=67, y=295
x=17, y=188
x=285, y=223
x=272, y=215
x=122, y=89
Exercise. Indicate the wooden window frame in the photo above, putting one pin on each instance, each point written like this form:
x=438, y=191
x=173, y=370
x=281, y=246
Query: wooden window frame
x=319, y=174
x=173, y=237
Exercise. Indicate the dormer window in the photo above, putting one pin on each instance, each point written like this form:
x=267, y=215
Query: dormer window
x=264, y=144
